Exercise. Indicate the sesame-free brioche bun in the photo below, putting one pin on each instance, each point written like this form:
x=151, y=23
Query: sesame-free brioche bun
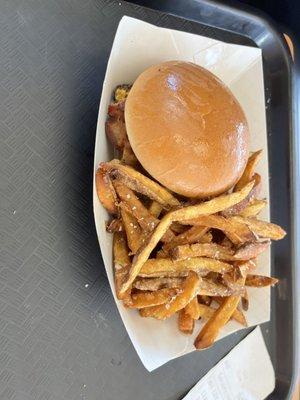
x=187, y=129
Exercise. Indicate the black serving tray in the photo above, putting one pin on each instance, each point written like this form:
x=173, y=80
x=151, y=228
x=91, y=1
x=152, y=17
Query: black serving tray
x=60, y=334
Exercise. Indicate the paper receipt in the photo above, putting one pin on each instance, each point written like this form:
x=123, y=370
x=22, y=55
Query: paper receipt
x=246, y=373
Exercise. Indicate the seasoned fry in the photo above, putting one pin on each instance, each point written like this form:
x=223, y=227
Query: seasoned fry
x=260, y=281
x=141, y=184
x=237, y=233
x=203, y=253
x=157, y=283
x=205, y=311
x=233, y=280
x=185, y=322
x=166, y=267
x=253, y=208
x=144, y=252
x=211, y=206
x=192, y=308
x=134, y=206
x=189, y=290
x=105, y=190
x=237, y=315
x=192, y=235
x=206, y=238
x=249, y=170
x=261, y=228
x=149, y=299
x=114, y=225
x=239, y=207
x=121, y=264
x=178, y=228
x=211, y=250
x=244, y=267
x=135, y=236
x=251, y=250
x=211, y=329
x=155, y=209
x=210, y=288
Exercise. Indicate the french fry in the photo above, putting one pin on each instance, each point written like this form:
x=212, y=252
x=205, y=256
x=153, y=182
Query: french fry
x=237, y=315
x=211, y=250
x=157, y=283
x=160, y=267
x=121, y=264
x=105, y=190
x=205, y=311
x=239, y=207
x=190, y=289
x=178, y=228
x=185, y=322
x=155, y=209
x=206, y=238
x=192, y=235
x=141, y=184
x=260, y=281
x=244, y=267
x=253, y=208
x=144, y=252
x=261, y=228
x=210, y=288
x=211, y=206
x=249, y=170
x=211, y=329
x=114, y=225
x=233, y=280
x=134, y=206
x=237, y=232
x=192, y=308
x=150, y=299
x=192, y=263
x=251, y=250
x=135, y=235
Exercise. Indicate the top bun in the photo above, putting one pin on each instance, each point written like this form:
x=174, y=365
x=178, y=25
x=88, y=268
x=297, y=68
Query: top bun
x=187, y=129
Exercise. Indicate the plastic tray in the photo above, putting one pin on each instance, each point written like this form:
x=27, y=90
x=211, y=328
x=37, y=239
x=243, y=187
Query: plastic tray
x=60, y=334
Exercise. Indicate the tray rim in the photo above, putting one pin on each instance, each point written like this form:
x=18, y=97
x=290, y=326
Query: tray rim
x=252, y=24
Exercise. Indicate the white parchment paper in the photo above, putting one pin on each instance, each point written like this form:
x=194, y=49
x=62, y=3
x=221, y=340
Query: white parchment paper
x=230, y=379
x=138, y=45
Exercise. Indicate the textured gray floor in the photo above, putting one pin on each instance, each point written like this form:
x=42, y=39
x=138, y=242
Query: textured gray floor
x=60, y=334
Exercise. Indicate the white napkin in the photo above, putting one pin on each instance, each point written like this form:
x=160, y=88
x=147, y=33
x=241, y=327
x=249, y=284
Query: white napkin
x=246, y=373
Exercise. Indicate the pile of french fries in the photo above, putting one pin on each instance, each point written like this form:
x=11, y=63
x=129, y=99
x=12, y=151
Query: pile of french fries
x=174, y=255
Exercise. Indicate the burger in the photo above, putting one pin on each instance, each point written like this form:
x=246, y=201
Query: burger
x=187, y=129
